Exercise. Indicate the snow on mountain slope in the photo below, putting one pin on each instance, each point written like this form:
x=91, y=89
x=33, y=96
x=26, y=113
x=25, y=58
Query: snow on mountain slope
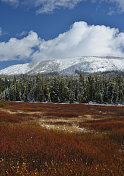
x=95, y=64
x=67, y=66
x=15, y=69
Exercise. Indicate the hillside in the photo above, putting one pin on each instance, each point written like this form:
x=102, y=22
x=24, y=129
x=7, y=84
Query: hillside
x=67, y=66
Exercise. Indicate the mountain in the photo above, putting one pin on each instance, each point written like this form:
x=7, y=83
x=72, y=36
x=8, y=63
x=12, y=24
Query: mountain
x=68, y=66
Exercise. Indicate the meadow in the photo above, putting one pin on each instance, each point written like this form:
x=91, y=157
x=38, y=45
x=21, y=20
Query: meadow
x=38, y=139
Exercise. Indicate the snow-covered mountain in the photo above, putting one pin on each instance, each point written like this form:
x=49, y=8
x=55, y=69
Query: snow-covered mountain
x=67, y=66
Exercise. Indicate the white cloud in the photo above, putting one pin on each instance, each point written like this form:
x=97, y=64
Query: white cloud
x=80, y=40
x=47, y=6
x=22, y=34
x=18, y=49
x=83, y=40
x=119, y=3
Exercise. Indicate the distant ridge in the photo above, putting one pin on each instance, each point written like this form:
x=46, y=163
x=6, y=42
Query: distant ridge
x=68, y=66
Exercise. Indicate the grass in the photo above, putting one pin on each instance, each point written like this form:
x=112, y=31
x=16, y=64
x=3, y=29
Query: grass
x=26, y=149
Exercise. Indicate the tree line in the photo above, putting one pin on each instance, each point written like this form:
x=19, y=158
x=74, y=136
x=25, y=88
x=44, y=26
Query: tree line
x=63, y=89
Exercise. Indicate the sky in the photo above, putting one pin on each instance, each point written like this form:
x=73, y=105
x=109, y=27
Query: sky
x=36, y=30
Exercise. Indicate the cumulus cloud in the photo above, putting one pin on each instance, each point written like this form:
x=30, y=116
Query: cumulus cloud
x=83, y=40
x=80, y=40
x=47, y=6
x=19, y=49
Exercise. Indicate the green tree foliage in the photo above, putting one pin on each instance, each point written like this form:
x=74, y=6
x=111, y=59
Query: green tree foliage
x=63, y=89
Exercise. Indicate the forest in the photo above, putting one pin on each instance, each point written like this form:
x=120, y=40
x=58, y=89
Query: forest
x=63, y=89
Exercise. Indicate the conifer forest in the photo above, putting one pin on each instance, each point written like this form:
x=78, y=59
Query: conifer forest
x=63, y=89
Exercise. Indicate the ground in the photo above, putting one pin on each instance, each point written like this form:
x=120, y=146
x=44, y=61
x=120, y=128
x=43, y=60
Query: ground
x=61, y=139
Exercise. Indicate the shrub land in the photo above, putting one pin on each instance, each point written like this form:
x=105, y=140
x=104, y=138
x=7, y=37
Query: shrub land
x=27, y=148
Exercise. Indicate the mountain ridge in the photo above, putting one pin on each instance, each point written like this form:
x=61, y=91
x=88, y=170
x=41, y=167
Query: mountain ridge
x=68, y=66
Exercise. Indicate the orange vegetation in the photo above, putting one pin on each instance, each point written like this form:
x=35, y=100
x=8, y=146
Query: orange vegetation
x=26, y=149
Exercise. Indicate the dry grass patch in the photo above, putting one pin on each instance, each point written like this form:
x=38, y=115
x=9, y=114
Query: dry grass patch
x=28, y=149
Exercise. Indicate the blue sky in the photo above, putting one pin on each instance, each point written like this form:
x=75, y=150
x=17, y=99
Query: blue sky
x=48, y=29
